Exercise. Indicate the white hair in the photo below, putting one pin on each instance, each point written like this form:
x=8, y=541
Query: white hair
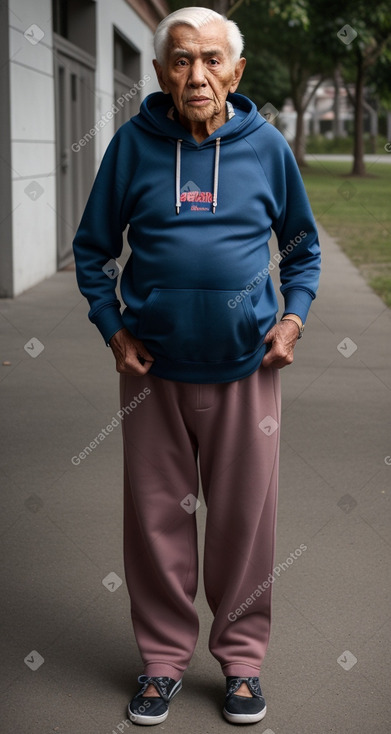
x=196, y=17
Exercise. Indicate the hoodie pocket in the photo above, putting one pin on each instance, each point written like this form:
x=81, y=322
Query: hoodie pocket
x=193, y=325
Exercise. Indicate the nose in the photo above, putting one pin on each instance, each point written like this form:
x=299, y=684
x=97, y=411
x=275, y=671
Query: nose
x=197, y=74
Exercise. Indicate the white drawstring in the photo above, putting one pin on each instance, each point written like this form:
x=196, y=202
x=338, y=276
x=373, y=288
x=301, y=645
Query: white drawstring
x=216, y=175
x=178, y=176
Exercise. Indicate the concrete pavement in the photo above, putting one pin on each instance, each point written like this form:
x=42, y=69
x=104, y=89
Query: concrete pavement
x=69, y=659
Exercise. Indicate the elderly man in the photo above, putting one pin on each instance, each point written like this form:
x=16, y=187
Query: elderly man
x=201, y=178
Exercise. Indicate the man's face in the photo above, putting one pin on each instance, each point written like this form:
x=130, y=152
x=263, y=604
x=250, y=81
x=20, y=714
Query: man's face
x=199, y=72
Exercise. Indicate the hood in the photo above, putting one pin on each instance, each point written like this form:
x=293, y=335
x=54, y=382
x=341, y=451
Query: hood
x=153, y=118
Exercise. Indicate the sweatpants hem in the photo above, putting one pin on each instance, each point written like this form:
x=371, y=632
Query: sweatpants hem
x=162, y=668
x=240, y=669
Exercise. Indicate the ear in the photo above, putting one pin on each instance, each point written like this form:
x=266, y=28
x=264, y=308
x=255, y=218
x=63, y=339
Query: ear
x=238, y=73
x=160, y=76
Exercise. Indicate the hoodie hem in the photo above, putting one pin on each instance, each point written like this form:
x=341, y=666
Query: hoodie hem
x=206, y=372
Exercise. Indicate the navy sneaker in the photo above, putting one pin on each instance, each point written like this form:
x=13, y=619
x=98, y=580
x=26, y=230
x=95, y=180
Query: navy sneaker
x=149, y=710
x=242, y=709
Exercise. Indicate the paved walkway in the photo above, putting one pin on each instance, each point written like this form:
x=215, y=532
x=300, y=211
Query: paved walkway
x=69, y=660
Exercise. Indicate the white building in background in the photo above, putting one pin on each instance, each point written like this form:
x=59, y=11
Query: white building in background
x=71, y=72
x=319, y=117
x=330, y=115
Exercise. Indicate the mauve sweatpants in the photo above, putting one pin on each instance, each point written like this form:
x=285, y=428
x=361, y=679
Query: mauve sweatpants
x=163, y=434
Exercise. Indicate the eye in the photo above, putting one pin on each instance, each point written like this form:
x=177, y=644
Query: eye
x=181, y=62
x=214, y=62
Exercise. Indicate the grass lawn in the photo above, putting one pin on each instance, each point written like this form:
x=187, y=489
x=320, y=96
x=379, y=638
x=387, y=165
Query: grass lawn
x=357, y=212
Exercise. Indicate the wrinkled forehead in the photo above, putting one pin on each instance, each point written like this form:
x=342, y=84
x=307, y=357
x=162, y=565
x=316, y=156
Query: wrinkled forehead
x=206, y=40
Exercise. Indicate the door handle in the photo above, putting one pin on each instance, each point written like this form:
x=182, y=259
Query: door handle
x=64, y=162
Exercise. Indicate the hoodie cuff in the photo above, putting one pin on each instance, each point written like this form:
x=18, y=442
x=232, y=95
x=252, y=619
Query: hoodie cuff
x=297, y=301
x=108, y=321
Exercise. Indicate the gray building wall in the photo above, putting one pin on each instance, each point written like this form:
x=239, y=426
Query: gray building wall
x=30, y=210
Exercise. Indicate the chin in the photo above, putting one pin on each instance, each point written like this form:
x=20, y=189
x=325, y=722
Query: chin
x=200, y=115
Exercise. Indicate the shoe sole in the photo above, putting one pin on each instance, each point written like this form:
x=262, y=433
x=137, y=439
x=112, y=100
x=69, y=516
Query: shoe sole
x=244, y=718
x=151, y=720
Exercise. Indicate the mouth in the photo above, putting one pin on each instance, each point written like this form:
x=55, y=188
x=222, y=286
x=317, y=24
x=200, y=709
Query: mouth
x=199, y=101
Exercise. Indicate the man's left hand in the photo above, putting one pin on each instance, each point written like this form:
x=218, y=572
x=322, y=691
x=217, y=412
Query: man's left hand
x=283, y=337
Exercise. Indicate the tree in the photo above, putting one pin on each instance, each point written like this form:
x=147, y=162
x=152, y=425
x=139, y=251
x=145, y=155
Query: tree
x=291, y=33
x=297, y=40
x=379, y=79
x=367, y=44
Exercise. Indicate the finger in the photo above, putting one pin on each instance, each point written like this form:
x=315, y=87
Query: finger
x=132, y=363
x=267, y=361
x=275, y=357
x=269, y=336
x=143, y=359
x=133, y=368
x=276, y=364
x=142, y=351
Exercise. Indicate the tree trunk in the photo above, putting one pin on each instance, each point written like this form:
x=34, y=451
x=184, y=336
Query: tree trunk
x=299, y=86
x=299, y=144
x=358, y=162
x=338, y=130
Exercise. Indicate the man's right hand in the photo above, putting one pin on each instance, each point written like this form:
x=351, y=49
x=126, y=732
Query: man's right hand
x=128, y=351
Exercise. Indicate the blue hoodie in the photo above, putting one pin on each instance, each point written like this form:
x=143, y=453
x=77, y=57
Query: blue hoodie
x=196, y=286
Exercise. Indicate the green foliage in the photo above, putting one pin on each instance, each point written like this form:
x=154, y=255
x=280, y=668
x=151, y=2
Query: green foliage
x=264, y=81
x=293, y=12
x=379, y=77
x=289, y=41
x=381, y=284
x=356, y=212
